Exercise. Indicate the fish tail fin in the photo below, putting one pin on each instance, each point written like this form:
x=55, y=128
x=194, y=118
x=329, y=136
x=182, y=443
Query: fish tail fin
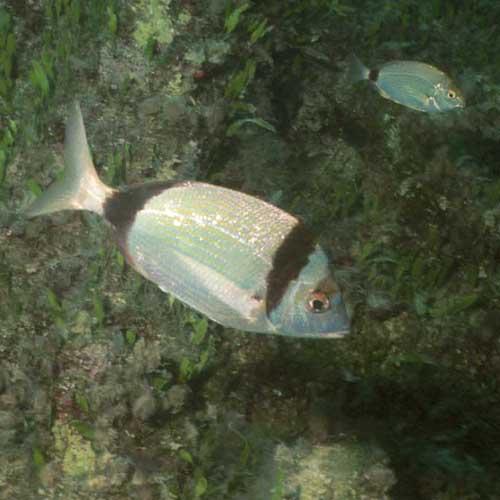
x=80, y=188
x=356, y=70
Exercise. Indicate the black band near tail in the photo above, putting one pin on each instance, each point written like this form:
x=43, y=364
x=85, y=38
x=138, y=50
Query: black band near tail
x=121, y=208
x=373, y=75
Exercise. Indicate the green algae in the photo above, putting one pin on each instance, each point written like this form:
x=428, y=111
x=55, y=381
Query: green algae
x=154, y=23
x=77, y=456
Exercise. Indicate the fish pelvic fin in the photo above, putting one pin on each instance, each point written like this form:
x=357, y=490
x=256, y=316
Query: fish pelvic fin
x=80, y=188
x=356, y=70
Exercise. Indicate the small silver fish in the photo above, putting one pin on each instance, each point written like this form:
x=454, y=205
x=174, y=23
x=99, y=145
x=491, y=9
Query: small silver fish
x=239, y=260
x=413, y=84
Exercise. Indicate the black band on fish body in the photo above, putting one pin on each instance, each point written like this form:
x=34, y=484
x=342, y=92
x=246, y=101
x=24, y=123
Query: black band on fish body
x=121, y=208
x=288, y=261
x=373, y=75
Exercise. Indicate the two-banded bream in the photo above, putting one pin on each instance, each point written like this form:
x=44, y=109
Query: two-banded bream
x=413, y=84
x=242, y=262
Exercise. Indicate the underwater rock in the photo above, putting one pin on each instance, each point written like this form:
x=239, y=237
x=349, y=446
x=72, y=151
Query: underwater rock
x=7, y=419
x=216, y=7
x=77, y=456
x=380, y=305
x=146, y=356
x=176, y=398
x=150, y=106
x=215, y=115
x=3, y=379
x=15, y=467
x=7, y=437
x=82, y=324
x=144, y=406
x=345, y=470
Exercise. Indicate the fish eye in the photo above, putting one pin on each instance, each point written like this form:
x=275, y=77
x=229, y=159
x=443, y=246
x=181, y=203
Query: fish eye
x=452, y=94
x=318, y=302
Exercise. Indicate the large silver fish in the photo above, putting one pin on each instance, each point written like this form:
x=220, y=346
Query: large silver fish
x=239, y=260
x=413, y=84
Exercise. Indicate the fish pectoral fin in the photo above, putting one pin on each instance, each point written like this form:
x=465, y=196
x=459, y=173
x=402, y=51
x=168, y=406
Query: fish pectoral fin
x=209, y=291
x=236, y=301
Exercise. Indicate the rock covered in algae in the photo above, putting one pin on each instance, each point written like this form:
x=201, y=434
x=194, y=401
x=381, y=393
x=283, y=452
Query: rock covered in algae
x=347, y=470
x=78, y=457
